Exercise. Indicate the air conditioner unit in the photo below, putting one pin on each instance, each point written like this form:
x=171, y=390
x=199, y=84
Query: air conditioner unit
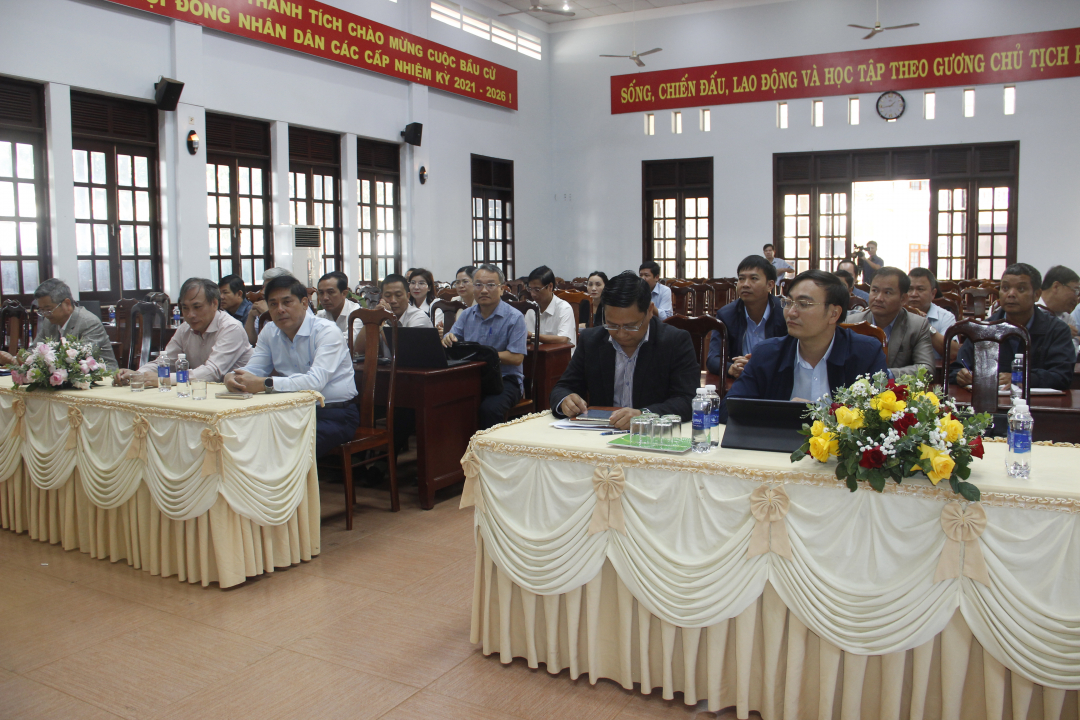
x=306, y=253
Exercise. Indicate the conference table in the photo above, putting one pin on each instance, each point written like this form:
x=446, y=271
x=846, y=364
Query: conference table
x=743, y=579
x=214, y=490
x=1057, y=417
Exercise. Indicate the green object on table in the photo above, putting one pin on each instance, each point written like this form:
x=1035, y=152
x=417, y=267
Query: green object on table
x=678, y=445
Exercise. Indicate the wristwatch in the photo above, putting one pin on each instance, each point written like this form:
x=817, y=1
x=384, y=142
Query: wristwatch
x=268, y=384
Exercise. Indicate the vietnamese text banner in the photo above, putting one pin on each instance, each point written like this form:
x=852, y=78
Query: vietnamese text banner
x=327, y=32
x=984, y=61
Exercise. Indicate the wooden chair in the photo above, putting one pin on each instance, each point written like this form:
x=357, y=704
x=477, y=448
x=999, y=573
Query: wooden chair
x=704, y=299
x=17, y=329
x=969, y=283
x=123, y=328
x=724, y=292
x=950, y=302
x=682, y=300
x=450, y=309
x=527, y=404
x=856, y=302
x=143, y=343
x=987, y=337
x=947, y=286
x=701, y=329
x=446, y=294
x=574, y=298
x=442, y=285
x=368, y=437
x=370, y=294
x=161, y=300
x=976, y=301
x=782, y=285
x=865, y=328
x=517, y=288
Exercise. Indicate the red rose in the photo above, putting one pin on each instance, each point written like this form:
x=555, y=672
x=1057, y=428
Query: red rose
x=872, y=458
x=833, y=408
x=899, y=390
x=906, y=421
x=976, y=448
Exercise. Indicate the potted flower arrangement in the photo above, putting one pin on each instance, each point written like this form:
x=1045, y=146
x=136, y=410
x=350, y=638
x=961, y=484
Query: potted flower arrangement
x=878, y=428
x=58, y=365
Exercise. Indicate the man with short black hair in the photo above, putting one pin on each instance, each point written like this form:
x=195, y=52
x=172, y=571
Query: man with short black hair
x=869, y=262
x=307, y=353
x=556, y=316
x=779, y=264
x=908, y=334
x=1052, y=356
x=816, y=356
x=924, y=288
x=754, y=316
x=333, y=289
x=853, y=271
x=1060, y=292
x=660, y=293
x=395, y=298
x=633, y=361
x=233, y=298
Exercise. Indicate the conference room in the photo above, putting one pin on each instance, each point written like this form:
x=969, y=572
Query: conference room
x=503, y=359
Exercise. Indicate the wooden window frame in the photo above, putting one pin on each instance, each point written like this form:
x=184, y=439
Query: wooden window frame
x=679, y=179
x=377, y=163
x=313, y=152
x=493, y=182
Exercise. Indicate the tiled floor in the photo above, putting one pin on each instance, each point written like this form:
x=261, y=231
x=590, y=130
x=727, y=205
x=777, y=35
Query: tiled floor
x=375, y=627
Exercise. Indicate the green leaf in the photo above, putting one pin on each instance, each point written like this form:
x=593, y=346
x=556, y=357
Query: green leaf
x=799, y=454
x=877, y=481
x=852, y=484
x=969, y=492
x=964, y=471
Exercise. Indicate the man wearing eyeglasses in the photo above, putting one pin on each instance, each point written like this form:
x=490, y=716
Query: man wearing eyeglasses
x=60, y=317
x=556, y=316
x=493, y=323
x=633, y=361
x=817, y=355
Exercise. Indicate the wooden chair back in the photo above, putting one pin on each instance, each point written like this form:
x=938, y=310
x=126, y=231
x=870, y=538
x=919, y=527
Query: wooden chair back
x=517, y=288
x=976, y=301
x=370, y=294
x=160, y=299
x=987, y=337
x=682, y=300
x=123, y=328
x=143, y=342
x=447, y=293
x=782, y=285
x=254, y=296
x=450, y=309
x=365, y=399
x=865, y=328
x=701, y=329
x=968, y=283
x=528, y=403
x=948, y=286
x=17, y=327
x=704, y=299
x=856, y=302
x=950, y=302
x=442, y=285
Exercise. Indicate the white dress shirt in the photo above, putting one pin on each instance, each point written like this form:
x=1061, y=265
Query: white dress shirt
x=425, y=308
x=661, y=297
x=219, y=350
x=811, y=381
x=343, y=318
x=316, y=359
x=556, y=319
x=940, y=321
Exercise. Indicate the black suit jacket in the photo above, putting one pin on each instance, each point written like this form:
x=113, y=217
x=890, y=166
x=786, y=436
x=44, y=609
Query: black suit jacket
x=666, y=376
x=1053, y=355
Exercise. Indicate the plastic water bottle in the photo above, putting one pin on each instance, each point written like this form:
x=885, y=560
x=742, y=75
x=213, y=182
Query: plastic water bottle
x=1018, y=461
x=700, y=440
x=1017, y=390
x=183, y=388
x=112, y=313
x=714, y=415
x=164, y=378
x=176, y=315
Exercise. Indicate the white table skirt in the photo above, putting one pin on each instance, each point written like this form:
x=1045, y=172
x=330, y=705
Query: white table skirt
x=859, y=584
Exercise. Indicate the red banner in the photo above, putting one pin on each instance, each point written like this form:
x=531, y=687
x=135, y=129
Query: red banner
x=1008, y=59
x=327, y=32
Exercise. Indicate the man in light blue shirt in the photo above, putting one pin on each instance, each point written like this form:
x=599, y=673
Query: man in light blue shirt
x=307, y=353
x=783, y=267
x=811, y=381
x=661, y=294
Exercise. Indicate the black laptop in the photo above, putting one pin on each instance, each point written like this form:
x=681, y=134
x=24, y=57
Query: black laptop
x=419, y=348
x=771, y=425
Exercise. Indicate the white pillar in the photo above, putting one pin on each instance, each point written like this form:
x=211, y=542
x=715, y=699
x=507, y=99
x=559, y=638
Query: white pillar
x=415, y=221
x=279, y=193
x=349, y=214
x=61, y=177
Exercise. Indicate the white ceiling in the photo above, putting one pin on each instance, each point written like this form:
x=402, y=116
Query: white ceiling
x=594, y=8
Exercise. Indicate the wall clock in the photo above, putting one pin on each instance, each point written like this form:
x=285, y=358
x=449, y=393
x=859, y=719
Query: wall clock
x=890, y=105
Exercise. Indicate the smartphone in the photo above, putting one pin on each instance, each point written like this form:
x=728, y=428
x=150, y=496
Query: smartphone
x=234, y=395
x=594, y=416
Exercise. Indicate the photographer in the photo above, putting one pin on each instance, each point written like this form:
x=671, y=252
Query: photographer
x=869, y=262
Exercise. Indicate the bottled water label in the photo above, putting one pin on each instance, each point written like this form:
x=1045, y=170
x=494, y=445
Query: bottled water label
x=181, y=376
x=1020, y=442
x=699, y=420
x=163, y=371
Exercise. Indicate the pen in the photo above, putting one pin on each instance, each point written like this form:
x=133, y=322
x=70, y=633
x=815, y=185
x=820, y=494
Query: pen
x=614, y=432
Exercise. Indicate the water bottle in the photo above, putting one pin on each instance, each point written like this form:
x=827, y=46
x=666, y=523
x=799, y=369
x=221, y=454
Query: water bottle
x=176, y=315
x=714, y=415
x=1018, y=461
x=1017, y=390
x=183, y=389
x=164, y=378
x=112, y=313
x=700, y=440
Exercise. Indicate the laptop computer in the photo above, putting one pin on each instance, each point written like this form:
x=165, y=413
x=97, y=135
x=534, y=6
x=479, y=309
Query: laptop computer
x=419, y=348
x=771, y=425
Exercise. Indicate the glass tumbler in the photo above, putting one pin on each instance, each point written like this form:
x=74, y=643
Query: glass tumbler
x=661, y=433
x=198, y=389
x=650, y=438
x=675, y=439
x=138, y=384
x=640, y=430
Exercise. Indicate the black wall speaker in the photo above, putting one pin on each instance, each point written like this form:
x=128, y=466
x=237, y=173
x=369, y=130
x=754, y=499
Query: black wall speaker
x=412, y=133
x=167, y=93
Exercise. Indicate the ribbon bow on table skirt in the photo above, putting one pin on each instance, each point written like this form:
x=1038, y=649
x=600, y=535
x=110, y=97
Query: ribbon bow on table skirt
x=608, y=484
x=18, y=406
x=963, y=524
x=140, y=428
x=470, y=494
x=213, y=442
x=769, y=506
x=75, y=420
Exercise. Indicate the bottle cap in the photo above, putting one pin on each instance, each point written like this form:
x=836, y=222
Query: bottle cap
x=710, y=387
x=702, y=391
x=181, y=356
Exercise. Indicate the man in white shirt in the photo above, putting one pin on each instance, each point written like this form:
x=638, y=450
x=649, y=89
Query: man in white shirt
x=213, y=341
x=783, y=268
x=395, y=298
x=557, y=323
x=306, y=353
x=661, y=294
x=335, y=303
x=924, y=289
x=1060, y=292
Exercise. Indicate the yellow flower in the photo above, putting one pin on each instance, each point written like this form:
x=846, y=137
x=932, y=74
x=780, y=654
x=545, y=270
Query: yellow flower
x=849, y=417
x=929, y=396
x=952, y=428
x=886, y=404
x=941, y=465
x=817, y=429
x=824, y=445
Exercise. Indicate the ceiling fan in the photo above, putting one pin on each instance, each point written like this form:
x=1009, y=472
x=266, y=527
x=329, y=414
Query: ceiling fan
x=540, y=8
x=877, y=23
x=634, y=54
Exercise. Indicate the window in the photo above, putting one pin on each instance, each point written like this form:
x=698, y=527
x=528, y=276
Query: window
x=1010, y=100
x=818, y=113
x=238, y=197
x=650, y=124
x=676, y=123
x=929, y=105
x=24, y=240
x=492, y=212
x=781, y=115
x=117, y=236
x=379, y=234
x=853, y=111
x=969, y=103
x=677, y=231
x=314, y=169
x=705, y=120
x=476, y=24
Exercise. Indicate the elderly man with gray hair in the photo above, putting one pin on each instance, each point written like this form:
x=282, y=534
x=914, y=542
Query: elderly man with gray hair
x=60, y=317
x=213, y=341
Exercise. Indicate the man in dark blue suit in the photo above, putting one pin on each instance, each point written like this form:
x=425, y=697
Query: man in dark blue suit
x=754, y=317
x=817, y=356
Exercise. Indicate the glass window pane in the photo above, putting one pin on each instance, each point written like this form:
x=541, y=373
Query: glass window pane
x=83, y=242
x=101, y=239
x=101, y=208
x=211, y=184
x=142, y=172
x=9, y=277
x=7, y=199
x=142, y=206
x=28, y=238
x=224, y=209
x=6, y=167
x=328, y=184
x=243, y=181
x=127, y=273
x=86, y=275
x=999, y=269
x=223, y=178
x=125, y=209
x=211, y=209
x=1001, y=198
x=256, y=181
x=78, y=158
x=259, y=265
x=257, y=245
x=146, y=275
x=226, y=268
x=30, y=275
x=986, y=200
x=123, y=170
x=244, y=207
x=142, y=237
x=999, y=245
x=804, y=204
x=104, y=278
x=8, y=242
x=225, y=240
x=256, y=211
x=97, y=168
x=245, y=241
x=213, y=241
x=25, y=155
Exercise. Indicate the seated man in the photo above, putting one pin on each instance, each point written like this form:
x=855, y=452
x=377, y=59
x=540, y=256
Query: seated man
x=214, y=342
x=908, y=334
x=233, y=298
x=816, y=356
x=60, y=318
x=493, y=323
x=924, y=289
x=754, y=317
x=780, y=265
x=1060, y=291
x=556, y=316
x=633, y=361
x=395, y=298
x=1052, y=356
x=336, y=305
x=849, y=267
x=252, y=324
x=660, y=293
x=305, y=353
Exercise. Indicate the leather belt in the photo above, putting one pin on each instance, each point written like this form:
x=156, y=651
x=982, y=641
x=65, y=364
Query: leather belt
x=335, y=405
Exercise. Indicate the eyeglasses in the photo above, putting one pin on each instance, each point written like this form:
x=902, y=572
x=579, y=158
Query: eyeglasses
x=490, y=287
x=49, y=312
x=623, y=328
x=418, y=283
x=803, y=305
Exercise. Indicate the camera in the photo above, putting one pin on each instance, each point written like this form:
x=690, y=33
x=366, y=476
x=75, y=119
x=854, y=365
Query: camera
x=858, y=251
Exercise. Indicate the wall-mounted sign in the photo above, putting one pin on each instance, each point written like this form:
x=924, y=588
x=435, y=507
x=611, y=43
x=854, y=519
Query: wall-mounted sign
x=327, y=32
x=984, y=61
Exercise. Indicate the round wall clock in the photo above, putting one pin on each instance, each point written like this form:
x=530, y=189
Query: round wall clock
x=890, y=105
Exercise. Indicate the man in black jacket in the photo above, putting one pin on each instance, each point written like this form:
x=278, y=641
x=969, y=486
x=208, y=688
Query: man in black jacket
x=633, y=362
x=754, y=317
x=1052, y=352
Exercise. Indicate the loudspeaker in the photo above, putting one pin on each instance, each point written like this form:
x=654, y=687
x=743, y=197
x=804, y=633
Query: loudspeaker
x=167, y=93
x=412, y=133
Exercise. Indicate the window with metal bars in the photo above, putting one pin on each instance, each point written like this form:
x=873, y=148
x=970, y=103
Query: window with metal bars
x=314, y=197
x=238, y=198
x=117, y=237
x=678, y=221
x=493, y=212
x=24, y=238
x=379, y=206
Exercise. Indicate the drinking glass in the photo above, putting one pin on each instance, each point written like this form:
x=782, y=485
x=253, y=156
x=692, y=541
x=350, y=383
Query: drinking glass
x=198, y=389
x=676, y=430
x=661, y=433
x=640, y=428
x=138, y=384
x=650, y=436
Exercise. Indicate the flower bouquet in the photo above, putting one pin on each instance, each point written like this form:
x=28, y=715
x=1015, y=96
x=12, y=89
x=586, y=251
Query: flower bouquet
x=58, y=365
x=879, y=428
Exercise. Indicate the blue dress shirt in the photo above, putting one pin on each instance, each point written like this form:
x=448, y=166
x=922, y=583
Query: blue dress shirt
x=316, y=359
x=503, y=329
x=811, y=381
x=661, y=297
x=755, y=332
